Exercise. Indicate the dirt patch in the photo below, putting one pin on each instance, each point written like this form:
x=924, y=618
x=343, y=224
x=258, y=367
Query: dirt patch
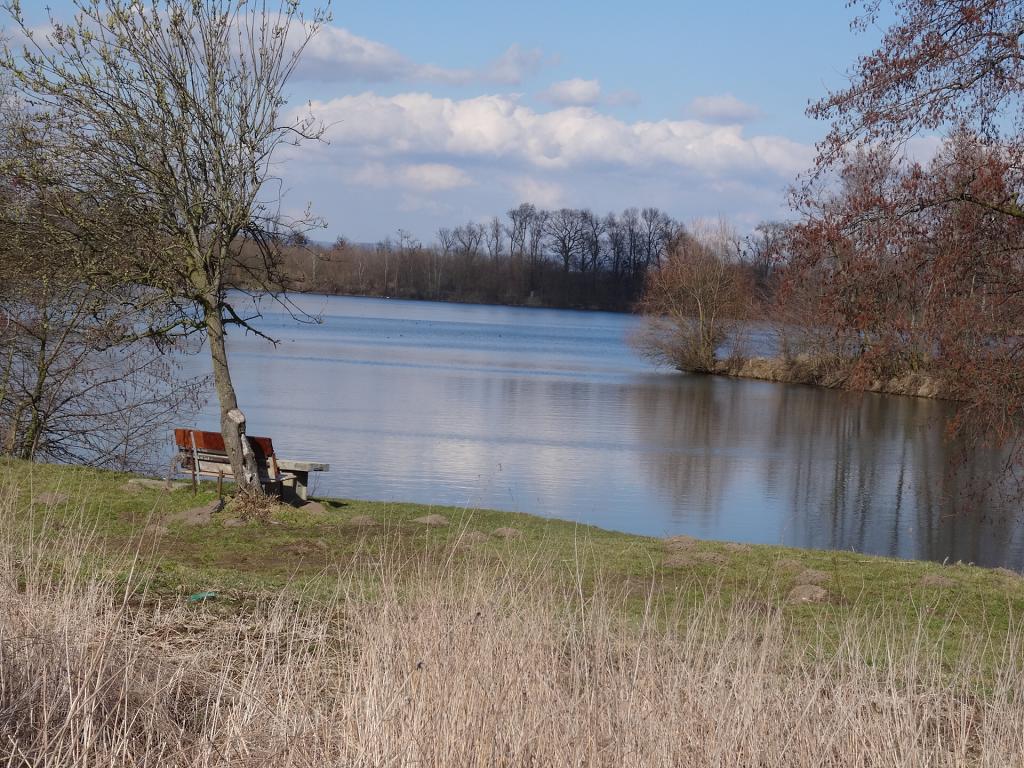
x=312, y=507
x=233, y=522
x=937, y=580
x=691, y=559
x=315, y=548
x=50, y=499
x=197, y=515
x=434, y=521
x=363, y=521
x=508, y=533
x=680, y=543
x=808, y=593
x=811, y=576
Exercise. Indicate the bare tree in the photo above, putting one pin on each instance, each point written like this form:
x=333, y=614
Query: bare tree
x=765, y=247
x=446, y=240
x=616, y=245
x=592, y=252
x=655, y=232
x=633, y=237
x=519, y=218
x=170, y=112
x=564, y=230
x=693, y=302
x=495, y=238
x=536, y=235
x=73, y=390
x=469, y=239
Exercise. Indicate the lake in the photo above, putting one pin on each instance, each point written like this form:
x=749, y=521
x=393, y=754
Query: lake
x=551, y=412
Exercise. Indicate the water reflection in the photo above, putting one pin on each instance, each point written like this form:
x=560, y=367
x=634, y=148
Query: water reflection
x=829, y=470
x=549, y=412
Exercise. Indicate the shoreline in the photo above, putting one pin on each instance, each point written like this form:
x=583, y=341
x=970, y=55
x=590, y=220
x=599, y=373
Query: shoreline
x=804, y=370
x=128, y=509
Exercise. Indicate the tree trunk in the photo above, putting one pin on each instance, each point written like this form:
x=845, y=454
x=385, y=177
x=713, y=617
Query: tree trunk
x=232, y=422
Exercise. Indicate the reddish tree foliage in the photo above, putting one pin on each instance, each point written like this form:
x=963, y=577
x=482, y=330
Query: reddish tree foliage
x=944, y=63
x=911, y=285
x=923, y=264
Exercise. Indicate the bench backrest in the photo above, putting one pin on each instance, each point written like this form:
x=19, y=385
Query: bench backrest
x=213, y=442
x=206, y=453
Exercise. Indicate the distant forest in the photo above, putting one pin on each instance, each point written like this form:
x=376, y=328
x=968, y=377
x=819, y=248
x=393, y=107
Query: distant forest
x=534, y=257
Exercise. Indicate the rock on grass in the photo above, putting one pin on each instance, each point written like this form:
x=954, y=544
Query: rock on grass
x=198, y=515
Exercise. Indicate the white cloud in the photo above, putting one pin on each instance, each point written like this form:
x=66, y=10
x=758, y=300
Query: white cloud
x=336, y=54
x=499, y=126
x=723, y=108
x=422, y=177
x=546, y=194
x=574, y=92
x=434, y=176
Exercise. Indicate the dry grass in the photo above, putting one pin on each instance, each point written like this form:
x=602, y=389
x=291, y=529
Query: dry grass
x=827, y=371
x=452, y=660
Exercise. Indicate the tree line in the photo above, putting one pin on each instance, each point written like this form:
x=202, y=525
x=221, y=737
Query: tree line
x=566, y=257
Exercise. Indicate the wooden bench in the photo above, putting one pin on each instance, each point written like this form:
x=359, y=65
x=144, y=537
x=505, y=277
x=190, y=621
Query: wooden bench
x=203, y=455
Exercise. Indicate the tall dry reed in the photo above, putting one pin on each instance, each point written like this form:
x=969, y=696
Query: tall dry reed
x=462, y=660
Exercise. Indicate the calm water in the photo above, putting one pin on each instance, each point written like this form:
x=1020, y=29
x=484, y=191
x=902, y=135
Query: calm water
x=551, y=412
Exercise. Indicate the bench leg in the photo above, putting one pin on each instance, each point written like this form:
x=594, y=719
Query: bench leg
x=302, y=485
x=297, y=486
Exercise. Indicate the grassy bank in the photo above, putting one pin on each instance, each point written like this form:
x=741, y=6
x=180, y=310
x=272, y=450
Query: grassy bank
x=197, y=547
x=364, y=633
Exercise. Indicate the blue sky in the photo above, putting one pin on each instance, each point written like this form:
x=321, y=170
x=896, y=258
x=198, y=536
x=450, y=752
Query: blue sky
x=446, y=112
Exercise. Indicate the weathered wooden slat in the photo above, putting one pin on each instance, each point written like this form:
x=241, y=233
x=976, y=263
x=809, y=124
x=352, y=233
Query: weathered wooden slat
x=214, y=441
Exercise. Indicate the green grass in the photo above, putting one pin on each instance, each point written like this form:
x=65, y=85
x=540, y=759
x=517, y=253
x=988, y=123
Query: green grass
x=298, y=546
